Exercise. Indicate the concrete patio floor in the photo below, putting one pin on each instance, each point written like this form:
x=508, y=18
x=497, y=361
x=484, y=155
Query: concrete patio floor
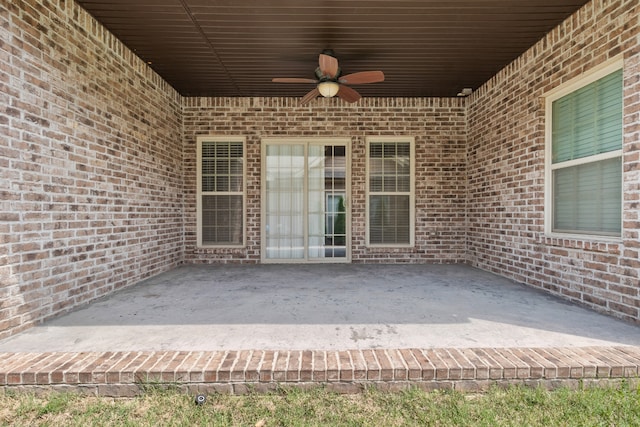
x=240, y=319
x=324, y=307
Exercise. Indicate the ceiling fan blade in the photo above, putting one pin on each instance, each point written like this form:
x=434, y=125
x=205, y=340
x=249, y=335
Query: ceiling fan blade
x=347, y=94
x=328, y=65
x=293, y=80
x=363, y=77
x=310, y=96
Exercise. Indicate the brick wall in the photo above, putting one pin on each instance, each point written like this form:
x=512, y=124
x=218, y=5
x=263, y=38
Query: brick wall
x=439, y=128
x=506, y=165
x=90, y=164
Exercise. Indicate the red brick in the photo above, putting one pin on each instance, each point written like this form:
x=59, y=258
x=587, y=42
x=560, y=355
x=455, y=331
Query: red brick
x=127, y=374
x=294, y=366
x=268, y=366
x=112, y=374
x=621, y=364
x=399, y=366
x=467, y=369
x=346, y=366
x=414, y=370
x=190, y=365
x=60, y=371
x=170, y=368
x=224, y=371
x=252, y=372
x=12, y=366
x=503, y=368
x=333, y=366
x=386, y=366
x=523, y=369
x=374, y=370
x=480, y=367
x=320, y=366
x=281, y=365
x=212, y=366
x=359, y=366
x=428, y=369
x=157, y=364
x=440, y=366
x=541, y=358
x=563, y=363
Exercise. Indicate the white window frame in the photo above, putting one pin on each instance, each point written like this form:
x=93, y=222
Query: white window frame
x=199, y=192
x=412, y=192
x=565, y=89
x=306, y=141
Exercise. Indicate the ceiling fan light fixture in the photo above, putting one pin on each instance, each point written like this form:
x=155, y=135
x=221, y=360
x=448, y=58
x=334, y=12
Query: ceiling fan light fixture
x=328, y=89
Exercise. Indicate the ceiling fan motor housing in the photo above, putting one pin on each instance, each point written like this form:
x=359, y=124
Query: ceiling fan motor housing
x=324, y=78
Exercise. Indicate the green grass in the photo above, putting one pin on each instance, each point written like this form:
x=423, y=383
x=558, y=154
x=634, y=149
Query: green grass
x=515, y=406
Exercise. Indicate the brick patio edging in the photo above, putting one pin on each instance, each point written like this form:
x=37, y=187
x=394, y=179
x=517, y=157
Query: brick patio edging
x=475, y=369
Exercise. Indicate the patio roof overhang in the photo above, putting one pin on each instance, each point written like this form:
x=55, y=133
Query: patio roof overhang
x=426, y=48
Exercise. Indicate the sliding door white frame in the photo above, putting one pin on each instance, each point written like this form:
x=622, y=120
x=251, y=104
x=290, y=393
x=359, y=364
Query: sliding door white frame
x=302, y=241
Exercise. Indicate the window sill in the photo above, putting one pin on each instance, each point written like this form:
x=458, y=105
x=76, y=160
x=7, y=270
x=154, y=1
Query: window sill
x=205, y=247
x=589, y=238
x=408, y=246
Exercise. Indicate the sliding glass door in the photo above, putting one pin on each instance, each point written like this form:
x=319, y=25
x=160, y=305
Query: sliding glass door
x=305, y=201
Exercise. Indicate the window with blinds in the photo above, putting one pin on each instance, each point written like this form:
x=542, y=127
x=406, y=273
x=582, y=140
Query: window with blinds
x=585, y=158
x=221, y=192
x=390, y=192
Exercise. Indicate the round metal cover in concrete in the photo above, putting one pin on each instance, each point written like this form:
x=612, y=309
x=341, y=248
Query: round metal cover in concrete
x=328, y=306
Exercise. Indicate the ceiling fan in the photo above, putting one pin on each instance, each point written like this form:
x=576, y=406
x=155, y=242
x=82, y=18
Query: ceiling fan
x=330, y=82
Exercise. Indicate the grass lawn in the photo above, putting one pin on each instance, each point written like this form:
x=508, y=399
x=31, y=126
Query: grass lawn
x=515, y=406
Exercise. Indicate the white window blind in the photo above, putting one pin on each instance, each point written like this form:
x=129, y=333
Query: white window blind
x=390, y=198
x=586, y=159
x=588, y=121
x=587, y=198
x=221, y=207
